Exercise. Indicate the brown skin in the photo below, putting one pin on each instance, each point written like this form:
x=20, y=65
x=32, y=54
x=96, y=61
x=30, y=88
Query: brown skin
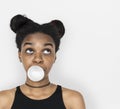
x=39, y=49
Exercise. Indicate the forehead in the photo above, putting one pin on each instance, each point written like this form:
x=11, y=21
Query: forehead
x=38, y=38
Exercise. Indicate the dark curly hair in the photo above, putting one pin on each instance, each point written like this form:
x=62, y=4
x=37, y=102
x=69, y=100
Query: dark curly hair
x=23, y=26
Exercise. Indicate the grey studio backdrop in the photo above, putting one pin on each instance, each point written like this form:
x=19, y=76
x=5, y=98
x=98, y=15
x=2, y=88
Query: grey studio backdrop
x=89, y=57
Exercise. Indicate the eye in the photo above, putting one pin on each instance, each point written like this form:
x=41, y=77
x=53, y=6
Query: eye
x=29, y=51
x=47, y=51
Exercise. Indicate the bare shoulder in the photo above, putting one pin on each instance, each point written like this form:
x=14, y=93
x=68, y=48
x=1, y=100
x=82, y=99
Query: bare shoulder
x=6, y=98
x=73, y=99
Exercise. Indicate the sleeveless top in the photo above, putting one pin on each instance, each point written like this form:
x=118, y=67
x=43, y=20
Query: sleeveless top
x=55, y=101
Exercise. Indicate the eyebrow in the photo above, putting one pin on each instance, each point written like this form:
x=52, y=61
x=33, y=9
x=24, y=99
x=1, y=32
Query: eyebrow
x=46, y=44
x=28, y=43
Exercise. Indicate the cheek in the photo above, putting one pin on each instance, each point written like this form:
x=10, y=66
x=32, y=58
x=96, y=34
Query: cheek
x=49, y=62
x=26, y=61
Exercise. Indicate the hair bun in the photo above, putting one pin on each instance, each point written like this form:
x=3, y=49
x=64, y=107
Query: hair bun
x=17, y=22
x=59, y=26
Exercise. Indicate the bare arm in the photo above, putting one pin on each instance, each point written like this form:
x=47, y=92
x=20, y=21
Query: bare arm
x=3, y=100
x=73, y=99
x=77, y=101
x=6, y=99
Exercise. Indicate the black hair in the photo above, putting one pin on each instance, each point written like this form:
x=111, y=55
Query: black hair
x=23, y=26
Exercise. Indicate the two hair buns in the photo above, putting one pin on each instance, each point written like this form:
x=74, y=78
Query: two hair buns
x=18, y=21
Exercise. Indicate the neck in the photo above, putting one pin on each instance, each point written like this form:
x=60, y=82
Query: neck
x=37, y=86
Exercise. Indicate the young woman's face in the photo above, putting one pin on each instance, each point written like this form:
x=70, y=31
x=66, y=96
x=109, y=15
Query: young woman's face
x=38, y=49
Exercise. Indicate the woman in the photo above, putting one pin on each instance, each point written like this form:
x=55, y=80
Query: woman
x=37, y=46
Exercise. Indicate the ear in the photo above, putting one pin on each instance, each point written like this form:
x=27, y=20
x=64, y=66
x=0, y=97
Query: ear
x=55, y=58
x=19, y=55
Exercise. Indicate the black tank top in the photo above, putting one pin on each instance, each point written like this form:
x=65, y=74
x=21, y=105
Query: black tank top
x=55, y=101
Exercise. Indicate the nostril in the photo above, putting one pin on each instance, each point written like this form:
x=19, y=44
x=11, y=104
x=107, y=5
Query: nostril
x=38, y=59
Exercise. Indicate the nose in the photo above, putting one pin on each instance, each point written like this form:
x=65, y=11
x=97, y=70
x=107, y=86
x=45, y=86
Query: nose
x=38, y=59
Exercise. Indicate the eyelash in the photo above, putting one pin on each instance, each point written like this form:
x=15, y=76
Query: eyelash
x=48, y=50
x=30, y=49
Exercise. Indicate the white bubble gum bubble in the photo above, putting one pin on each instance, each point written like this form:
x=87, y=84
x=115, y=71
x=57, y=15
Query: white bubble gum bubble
x=35, y=73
